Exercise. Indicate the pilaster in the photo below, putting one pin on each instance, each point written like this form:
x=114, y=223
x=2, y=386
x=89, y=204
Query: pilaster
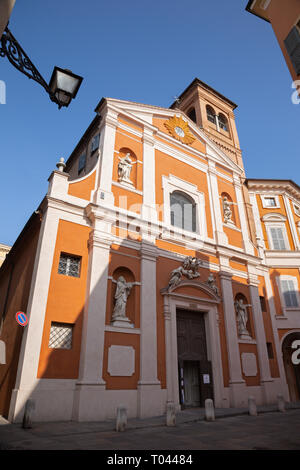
x=149, y=391
x=242, y=214
x=90, y=386
x=261, y=342
x=103, y=193
x=237, y=384
x=221, y=237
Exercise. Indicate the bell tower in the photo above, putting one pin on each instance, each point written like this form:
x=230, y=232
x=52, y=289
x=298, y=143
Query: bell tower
x=214, y=113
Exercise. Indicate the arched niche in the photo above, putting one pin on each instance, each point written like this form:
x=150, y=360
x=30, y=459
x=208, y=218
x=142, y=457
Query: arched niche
x=131, y=303
x=126, y=152
x=226, y=201
x=249, y=324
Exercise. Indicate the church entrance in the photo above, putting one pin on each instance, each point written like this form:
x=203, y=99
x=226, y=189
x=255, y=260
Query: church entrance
x=292, y=371
x=195, y=371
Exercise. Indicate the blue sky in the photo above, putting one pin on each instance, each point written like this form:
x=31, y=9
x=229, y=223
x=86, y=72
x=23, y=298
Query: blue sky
x=146, y=52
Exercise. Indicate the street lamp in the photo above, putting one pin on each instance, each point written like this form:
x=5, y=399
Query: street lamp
x=63, y=85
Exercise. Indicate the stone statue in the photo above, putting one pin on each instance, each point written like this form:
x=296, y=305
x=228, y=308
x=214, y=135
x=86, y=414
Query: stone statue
x=211, y=281
x=124, y=169
x=226, y=210
x=242, y=317
x=122, y=293
x=189, y=269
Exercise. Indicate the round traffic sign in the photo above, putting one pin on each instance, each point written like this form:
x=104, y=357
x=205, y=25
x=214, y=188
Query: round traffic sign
x=21, y=318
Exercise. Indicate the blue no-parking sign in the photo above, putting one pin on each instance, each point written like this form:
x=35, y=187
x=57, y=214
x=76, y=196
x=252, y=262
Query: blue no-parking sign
x=21, y=318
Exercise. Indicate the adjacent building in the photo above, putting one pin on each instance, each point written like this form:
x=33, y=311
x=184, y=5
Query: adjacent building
x=285, y=20
x=153, y=271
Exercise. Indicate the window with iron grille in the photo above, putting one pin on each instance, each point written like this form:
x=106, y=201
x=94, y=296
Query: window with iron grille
x=60, y=336
x=69, y=265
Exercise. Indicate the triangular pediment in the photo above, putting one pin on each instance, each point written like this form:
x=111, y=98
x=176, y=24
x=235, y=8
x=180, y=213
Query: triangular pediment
x=143, y=115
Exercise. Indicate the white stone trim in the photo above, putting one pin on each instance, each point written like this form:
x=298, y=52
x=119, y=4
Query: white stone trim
x=210, y=312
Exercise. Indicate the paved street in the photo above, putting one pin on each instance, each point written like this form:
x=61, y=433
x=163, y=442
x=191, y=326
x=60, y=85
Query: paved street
x=270, y=430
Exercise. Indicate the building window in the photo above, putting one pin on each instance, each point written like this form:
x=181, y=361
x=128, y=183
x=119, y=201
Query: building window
x=270, y=202
x=289, y=292
x=183, y=211
x=223, y=123
x=95, y=143
x=278, y=238
x=60, y=336
x=69, y=265
x=211, y=116
x=292, y=44
x=81, y=163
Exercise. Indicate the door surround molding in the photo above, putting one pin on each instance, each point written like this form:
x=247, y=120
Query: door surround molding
x=208, y=306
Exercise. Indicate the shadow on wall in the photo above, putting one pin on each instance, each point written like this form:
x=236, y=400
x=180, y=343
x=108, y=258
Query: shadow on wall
x=63, y=341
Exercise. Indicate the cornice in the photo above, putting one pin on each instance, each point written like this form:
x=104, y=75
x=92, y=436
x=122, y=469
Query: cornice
x=275, y=186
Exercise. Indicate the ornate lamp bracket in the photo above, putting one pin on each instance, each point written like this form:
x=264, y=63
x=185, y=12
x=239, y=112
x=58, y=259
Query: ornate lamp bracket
x=10, y=48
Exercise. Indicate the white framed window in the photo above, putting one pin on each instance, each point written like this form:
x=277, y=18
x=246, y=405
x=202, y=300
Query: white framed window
x=270, y=202
x=277, y=237
x=195, y=217
x=275, y=224
x=289, y=291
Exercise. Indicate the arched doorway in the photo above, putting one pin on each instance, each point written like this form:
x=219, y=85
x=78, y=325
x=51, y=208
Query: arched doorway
x=292, y=371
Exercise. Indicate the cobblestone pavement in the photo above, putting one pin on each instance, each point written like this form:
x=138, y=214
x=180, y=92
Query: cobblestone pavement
x=270, y=430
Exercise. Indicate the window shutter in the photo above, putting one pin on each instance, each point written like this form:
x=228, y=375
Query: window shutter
x=290, y=297
x=292, y=44
x=277, y=238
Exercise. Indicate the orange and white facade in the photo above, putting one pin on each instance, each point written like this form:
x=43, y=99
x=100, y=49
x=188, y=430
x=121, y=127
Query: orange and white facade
x=111, y=214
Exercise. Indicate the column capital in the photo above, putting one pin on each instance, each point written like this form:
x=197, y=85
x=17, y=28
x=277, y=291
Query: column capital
x=148, y=251
x=226, y=275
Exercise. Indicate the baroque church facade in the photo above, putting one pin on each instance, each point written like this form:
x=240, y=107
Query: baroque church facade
x=153, y=272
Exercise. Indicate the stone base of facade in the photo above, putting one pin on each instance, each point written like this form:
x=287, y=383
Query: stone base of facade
x=65, y=400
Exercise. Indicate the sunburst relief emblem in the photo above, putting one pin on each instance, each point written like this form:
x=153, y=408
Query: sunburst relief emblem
x=179, y=129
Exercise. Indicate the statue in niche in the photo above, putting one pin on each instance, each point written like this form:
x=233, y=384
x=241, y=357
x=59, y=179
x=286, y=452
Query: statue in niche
x=124, y=169
x=211, y=281
x=122, y=293
x=189, y=269
x=227, y=212
x=242, y=317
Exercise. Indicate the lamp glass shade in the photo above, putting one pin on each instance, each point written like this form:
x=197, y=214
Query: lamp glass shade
x=64, y=85
x=66, y=82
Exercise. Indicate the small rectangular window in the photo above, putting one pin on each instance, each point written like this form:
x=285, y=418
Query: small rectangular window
x=81, y=163
x=289, y=293
x=270, y=201
x=69, y=265
x=61, y=335
x=95, y=143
